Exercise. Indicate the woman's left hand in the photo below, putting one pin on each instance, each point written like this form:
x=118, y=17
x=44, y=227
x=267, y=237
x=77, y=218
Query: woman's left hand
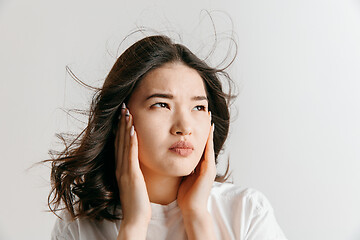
x=195, y=188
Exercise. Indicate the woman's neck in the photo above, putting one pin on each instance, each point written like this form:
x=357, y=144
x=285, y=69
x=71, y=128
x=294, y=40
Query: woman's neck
x=161, y=189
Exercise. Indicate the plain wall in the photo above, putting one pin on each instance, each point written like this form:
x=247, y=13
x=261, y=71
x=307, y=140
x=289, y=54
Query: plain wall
x=295, y=132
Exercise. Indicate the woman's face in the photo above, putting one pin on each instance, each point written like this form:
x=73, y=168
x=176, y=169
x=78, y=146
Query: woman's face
x=170, y=105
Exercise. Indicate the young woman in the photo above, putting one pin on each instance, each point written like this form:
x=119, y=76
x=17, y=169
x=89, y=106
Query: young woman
x=145, y=166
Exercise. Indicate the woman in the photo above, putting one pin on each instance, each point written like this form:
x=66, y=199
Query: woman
x=145, y=166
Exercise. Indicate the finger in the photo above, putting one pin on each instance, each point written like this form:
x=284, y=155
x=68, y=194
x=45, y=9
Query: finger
x=120, y=135
x=133, y=151
x=116, y=140
x=209, y=152
x=209, y=155
x=125, y=162
x=210, y=141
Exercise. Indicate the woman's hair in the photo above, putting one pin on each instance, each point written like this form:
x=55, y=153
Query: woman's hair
x=83, y=175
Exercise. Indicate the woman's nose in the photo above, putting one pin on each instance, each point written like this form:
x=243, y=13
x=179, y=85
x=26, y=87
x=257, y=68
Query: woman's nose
x=183, y=131
x=181, y=124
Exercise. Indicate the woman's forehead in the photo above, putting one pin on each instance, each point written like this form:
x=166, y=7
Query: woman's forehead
x=175, y=79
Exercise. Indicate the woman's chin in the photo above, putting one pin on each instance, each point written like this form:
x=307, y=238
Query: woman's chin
x=178, y=172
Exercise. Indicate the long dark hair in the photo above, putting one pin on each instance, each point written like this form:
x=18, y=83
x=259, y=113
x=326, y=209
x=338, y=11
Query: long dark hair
x=83, y=175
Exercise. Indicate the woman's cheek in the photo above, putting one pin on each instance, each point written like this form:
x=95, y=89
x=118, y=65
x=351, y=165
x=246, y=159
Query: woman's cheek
x=204, y=133
x=148, y=132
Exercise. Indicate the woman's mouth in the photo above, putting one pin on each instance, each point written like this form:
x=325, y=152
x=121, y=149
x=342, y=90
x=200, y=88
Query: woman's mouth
x=183, y=148
x=184, y=152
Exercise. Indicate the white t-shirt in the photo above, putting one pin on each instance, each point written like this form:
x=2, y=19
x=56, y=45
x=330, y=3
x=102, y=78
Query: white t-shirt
x=237, y=213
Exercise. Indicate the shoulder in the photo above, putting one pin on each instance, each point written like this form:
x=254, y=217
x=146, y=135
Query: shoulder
x=65, y=227
x=246, y=211
x=83, y=228
x=237, y=196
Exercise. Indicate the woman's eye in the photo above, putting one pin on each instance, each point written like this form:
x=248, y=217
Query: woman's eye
x=201, y=107
x=161, y=104
x=165, y=105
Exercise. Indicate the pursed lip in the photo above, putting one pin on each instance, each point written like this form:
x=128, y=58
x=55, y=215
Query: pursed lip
x=182, y=145
x=182, y=148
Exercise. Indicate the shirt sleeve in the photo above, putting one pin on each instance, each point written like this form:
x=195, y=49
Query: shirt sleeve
x=262, y=223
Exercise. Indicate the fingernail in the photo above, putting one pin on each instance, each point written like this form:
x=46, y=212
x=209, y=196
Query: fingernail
x=122, y=110
x=132, y=130
x=210, y=116
x=213, y=127
x=127, y=115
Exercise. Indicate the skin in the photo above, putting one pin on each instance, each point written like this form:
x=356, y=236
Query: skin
x=147, y=171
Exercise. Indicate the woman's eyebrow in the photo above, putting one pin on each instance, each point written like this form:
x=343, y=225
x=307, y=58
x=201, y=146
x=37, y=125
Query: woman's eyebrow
x=170, y=96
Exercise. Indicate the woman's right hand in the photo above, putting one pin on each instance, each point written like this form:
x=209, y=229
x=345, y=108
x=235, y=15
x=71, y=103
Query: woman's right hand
x=135, y=203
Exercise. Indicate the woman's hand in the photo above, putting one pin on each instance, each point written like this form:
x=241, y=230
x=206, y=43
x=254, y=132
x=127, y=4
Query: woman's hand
x=195, y=189
x=134, y=198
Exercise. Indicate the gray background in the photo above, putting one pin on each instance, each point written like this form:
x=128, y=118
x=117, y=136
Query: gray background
x=295, y=131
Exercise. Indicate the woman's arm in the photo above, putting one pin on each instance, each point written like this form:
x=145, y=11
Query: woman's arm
x=199, y=226
x=132, y=231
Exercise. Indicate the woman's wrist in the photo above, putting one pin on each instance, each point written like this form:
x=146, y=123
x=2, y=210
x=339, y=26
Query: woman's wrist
x=135, y=230
x=199, y=225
